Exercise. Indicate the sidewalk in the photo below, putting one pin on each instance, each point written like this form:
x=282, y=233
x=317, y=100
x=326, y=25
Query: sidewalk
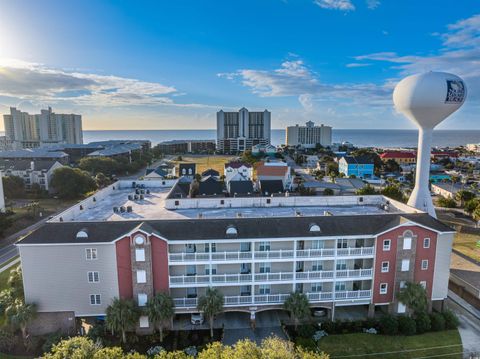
x=465, y=305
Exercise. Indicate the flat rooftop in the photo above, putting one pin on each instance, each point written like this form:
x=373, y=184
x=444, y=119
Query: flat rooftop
x=156, y=206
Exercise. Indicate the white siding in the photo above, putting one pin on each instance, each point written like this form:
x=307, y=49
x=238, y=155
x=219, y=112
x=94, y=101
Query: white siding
x=442, y=266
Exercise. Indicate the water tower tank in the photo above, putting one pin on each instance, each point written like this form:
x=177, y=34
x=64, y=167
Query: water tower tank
x=427, y=99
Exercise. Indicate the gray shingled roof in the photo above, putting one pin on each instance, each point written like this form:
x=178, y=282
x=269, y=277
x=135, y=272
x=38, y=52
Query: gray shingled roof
x=201, y=229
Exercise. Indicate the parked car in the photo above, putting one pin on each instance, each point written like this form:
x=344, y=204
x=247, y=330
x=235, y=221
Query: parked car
x=319, y=312
x=197, y=319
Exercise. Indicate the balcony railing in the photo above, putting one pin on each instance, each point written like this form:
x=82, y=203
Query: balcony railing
x=279, y=298
x=269, y=277
x=275, y=254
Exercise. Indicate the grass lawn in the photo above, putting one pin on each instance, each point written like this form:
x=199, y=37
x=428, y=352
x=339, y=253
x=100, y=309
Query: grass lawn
x=466, y=244
x=359, y=345
x=206, y=162
x=7, y=356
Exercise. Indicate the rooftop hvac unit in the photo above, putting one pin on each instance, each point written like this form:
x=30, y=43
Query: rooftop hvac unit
x=136, y=197
x=239, y=215
x=142, y=191
x=115, y=209
x=148, y=191
x=200, y=215
x=122, y=209
x=129, y=209
x=134, y=184
x=142, y=197
x=130, y=197
x=137, y=191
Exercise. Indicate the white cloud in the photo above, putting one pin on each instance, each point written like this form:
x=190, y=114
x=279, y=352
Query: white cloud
x=357, y=64
x=32, y=81
x=306, y=101
x=343, y=5
x=373, y=4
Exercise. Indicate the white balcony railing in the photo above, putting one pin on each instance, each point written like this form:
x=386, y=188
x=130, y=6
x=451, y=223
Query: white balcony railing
x=275, y=254
x=270, y=277
x=279, y=298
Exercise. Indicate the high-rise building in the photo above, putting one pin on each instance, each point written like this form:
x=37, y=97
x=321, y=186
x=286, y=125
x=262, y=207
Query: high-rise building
x=308, y=136
x=239, y=131
x=30, y=131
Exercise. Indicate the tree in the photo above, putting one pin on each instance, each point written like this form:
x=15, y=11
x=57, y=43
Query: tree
x=94, y=165
x=76, y=347
x=446, y=202
x=328, y=192
x=19, y=314
x=464, y=196
x=393, y=192
x=15, y=282
x=298, y=306
x=471, y=205
x=414, y=296
x=36, y=190
x=366, y=190
x=72, y=182
x=101, y=180
x=13, y=186
x=210, y=305
x=476, y=213
x=159, y=310
x=121, y=316
x=391, y=166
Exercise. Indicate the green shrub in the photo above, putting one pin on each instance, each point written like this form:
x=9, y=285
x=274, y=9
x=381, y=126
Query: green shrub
x=306, y=331
x=329, y=327
x=389, y=325
x=306, y=343
x=451, y=320
x=407, y=325
x=423, y=322
x=7, y=341
x=370, y=323
x=438, y=322
x=51, y=340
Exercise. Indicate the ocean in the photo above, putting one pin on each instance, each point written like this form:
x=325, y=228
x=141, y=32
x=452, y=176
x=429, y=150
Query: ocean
x=360, y=138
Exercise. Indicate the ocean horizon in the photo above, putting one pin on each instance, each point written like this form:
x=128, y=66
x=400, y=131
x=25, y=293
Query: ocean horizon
x=358, y=137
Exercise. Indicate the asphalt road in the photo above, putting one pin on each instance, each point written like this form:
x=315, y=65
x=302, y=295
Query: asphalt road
x=469, y=329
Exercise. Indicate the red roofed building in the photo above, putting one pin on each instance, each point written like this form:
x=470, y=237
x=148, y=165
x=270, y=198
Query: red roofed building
x=401, y=157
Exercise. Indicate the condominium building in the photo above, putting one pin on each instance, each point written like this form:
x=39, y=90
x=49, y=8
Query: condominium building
x=308, y=136
x=239, y=131
x=187, y=146
x=355, y=251
x=29, y=131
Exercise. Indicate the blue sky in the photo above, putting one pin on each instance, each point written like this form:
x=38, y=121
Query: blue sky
x=173, y=64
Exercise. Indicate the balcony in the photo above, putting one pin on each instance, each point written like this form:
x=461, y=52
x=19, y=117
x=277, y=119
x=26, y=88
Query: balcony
x=264, y=299
x=218, y=279
x=180, y=258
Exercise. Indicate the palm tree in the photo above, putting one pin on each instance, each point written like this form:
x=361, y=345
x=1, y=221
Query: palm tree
x=19, y=314
x=160, y=309
x=121, y=315
x=464, y=196
x=210, y=305
x=414, y=296
x=299, y=307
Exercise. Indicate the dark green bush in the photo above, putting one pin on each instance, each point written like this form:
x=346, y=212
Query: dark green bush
x=329, y=327
x=451, y=320
x=51, y=340
x=306, y=343
x=407, y=325
x=423, y=322
x=7, y=341
x=438, y=322
x=306, y=331
x=389, y=325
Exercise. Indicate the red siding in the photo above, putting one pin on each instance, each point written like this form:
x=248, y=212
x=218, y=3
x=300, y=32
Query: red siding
x=382, y=256
x=425, y=253
x=159, y=264
x=124, y=268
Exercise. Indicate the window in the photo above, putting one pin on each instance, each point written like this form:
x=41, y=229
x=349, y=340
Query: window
x=383, y=288
x=424, y=264
x=191, y=292
x=141, y=276
x=423, y=283
x=340, y=286
x=402, y=308
x=299, y=287
x=341, y=264
x=264, y=246
x=140, y=255
x=342, y=243
x=386, y=244
x=245, y=268
x=143, y=321
x=213, y=247
x=402, y=284
x=142, y=299
x=245, y=290
x=318, y=244
x=407, y=241
x=316, y=287
x=245, y=247
x=191, y=269
x=93, y=277
x=317, y=266
x=405, y=265
x=265, y=267
x=385, y=267
x=95, y=299
x=264, y=289
x=426, y=243
x=91, y=254
x=190, y=248
x=214, y=269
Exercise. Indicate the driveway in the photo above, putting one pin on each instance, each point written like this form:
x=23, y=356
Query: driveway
x=237, y=326
x=469, y=328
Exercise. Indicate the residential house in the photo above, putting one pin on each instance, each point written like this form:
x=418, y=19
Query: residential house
x=39, y=172
x=233, y=168
x=267, y=171
x=360, y=166
x=400, y=157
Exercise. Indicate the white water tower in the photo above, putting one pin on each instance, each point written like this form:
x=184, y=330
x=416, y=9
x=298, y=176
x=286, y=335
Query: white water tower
x=427, y=99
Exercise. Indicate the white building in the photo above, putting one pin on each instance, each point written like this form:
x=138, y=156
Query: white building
x=474, y=147
x=308, y=136
x=39, y=172
x=231, y=169
x=240, y=131
x=30, y=131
